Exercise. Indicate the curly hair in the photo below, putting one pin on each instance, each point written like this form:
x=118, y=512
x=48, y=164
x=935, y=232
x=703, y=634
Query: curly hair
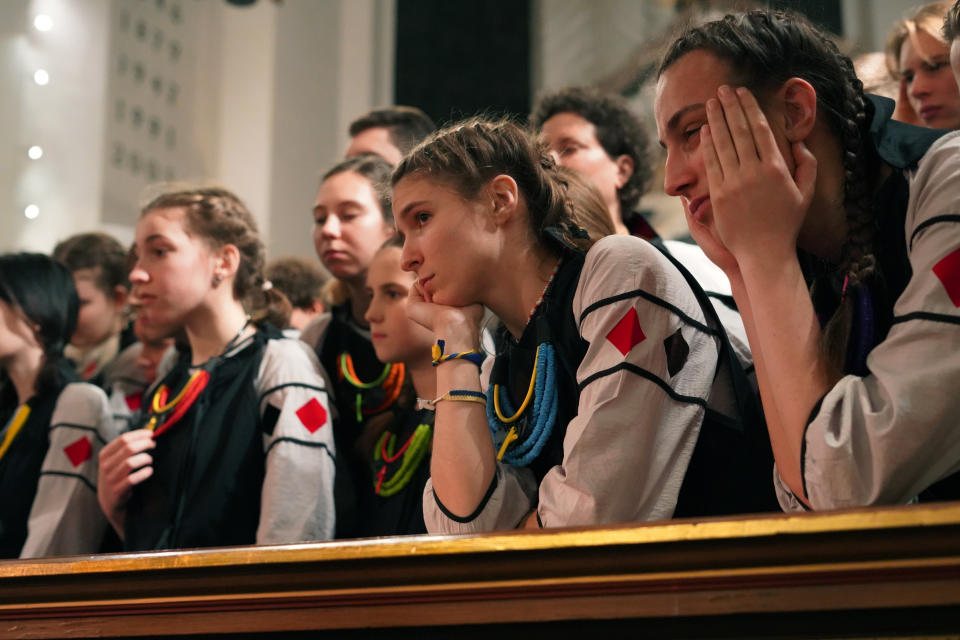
x=301, y=280
x=951, y=24
x=619, y=132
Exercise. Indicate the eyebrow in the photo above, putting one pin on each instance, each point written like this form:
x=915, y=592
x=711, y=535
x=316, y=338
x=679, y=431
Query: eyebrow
x=675, y=118
x=349, y=203
x=413, y=205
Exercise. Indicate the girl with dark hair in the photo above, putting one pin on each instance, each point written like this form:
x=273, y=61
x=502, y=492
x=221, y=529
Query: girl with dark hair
x=397, y=442
x=352, y=219
x=51, y=425
x=837, y=229
x=608, y=373
x=235, y=445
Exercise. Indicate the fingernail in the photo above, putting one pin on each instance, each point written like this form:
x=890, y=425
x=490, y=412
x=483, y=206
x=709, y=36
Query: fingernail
x=742, y=91
x=724, y=91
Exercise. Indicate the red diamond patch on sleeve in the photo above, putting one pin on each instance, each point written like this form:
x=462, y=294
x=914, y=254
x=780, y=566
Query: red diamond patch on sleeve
x=79, y=452
x=312, y=415
x=627, y=333
x=948, y=270
x=134, y=400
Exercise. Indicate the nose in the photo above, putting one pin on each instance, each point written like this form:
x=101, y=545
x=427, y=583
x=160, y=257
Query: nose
x=138, y=275
x=677, y=174
x=410, y=259
x=920, y=85
x=373, y=313
x=330, y=227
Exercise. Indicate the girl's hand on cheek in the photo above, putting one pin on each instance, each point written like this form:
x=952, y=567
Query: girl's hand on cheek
x=458, y=326
x=758, y=205
x=707, y=239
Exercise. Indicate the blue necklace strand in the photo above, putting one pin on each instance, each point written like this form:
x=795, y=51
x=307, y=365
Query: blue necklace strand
x=519, y=446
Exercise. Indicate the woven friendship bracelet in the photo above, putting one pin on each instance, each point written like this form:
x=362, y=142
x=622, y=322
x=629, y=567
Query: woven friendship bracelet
x=473, y=355
x=459, y=395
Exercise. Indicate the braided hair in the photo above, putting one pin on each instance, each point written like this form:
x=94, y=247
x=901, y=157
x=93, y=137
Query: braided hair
x=42, y=291
x=221, y=218
x=764, y=50
x=468, y=154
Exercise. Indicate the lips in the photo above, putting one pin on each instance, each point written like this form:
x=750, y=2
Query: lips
x=423, y=282
x=696, y=205
x=377, y=336
x=334, y=254
x=929, y=113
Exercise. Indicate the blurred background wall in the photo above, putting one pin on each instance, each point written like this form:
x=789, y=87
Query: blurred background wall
x=100, y=100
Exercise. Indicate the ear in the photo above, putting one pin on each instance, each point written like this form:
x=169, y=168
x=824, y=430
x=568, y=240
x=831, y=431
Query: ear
x=799, y=101
x=227, y=261
x=625, y=169
x=505, y=196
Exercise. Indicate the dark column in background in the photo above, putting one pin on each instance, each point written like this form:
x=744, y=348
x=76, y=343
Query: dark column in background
x=826, y=14
x=457, y=59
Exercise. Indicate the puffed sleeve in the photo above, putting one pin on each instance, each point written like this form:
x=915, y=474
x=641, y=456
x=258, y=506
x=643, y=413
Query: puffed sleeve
x=884, y=437
x=297, y=496
x=645, y=383
x=65, y=518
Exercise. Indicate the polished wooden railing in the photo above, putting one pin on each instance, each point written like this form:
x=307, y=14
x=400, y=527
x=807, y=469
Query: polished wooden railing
x=884, y=571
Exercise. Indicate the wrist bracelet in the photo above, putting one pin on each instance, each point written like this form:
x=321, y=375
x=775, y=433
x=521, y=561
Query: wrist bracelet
x=473, y=355
x=459, y=395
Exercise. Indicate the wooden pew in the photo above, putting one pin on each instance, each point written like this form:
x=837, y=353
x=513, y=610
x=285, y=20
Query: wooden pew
x=890, y=572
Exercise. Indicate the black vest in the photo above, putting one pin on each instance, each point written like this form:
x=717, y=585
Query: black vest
x=20, y=467
x=352, y=491
x=401, y=513
x=209, y=467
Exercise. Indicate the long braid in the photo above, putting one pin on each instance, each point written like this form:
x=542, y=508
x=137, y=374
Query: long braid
x=857, y=261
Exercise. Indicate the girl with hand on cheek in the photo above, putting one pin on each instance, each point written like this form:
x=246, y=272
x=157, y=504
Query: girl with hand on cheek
x=235, y=445
x=605, y=366
x=51, y=425
x=352, y=218
x=397, y=442
x=918, y=55
x=837, y=230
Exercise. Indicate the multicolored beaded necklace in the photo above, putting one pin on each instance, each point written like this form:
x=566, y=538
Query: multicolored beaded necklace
x=390, y=380
x=518, y=441
x=411, y=454
x=181, y=403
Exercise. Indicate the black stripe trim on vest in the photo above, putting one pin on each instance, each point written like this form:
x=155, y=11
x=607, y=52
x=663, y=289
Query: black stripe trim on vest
x=953, y=217
x=476, y=512
x=290, y=384
x=926, y=315
x=65, y=474
x=640, y=293
x=643, y=373
x=82, y=427
x=306, y=443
